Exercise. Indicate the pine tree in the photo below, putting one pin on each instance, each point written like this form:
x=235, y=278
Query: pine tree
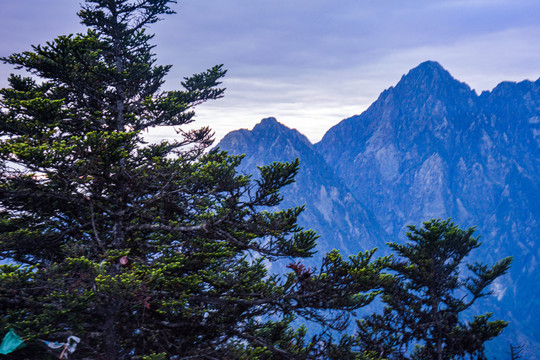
x=516, y=352
x=146, y=251
x=425, y=300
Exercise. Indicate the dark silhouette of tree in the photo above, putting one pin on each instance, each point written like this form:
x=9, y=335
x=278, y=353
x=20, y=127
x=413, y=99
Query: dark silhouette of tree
x=424, y=300
x=516, y=352
x=147, y=251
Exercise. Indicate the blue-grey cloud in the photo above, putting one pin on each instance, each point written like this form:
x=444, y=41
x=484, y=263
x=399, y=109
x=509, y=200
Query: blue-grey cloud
x=313, y=62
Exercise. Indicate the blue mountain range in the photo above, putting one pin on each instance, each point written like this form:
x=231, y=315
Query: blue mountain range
x=428, y=147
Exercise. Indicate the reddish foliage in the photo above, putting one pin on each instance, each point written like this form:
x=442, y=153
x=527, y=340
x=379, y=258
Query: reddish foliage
x=300, y=269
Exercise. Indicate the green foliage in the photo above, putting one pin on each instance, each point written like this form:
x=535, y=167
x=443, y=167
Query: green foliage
x=147, y=251
x=426, y=296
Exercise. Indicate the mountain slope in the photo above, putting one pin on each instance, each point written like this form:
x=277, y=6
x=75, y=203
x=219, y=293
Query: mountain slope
x=430, y=147
x=332, y=210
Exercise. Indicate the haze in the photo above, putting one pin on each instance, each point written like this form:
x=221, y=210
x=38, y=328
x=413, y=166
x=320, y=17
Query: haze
x=311, y=63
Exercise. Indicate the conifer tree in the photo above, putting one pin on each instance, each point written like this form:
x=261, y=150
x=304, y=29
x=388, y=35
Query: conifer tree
x=425, y=300
x=146, y=251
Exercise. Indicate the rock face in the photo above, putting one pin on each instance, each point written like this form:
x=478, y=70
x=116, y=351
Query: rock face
x=339, y=218
x=430, y=147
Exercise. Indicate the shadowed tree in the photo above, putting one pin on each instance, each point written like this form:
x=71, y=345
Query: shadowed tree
x=146, y=251
x=424, y=301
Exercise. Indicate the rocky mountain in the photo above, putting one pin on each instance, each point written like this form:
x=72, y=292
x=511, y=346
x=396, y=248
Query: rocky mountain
x=429, y=147
x=332, y=209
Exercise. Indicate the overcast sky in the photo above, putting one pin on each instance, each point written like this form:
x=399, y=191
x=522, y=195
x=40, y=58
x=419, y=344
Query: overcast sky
x=312, y=63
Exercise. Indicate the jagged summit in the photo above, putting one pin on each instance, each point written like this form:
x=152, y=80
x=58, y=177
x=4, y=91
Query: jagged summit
x=424, y=108
x=429, y=147
x=269, y=121
x=431, y=77
x=271, y=137
x=338, y=217
x=270, y=124
x=429, y=68
x=271, y=130
x=428, y=72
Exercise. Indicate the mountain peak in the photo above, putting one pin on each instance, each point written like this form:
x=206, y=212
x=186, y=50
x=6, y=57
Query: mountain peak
x=269, y=122
x=430, y=80
x=267, y=133
x=430, y=65
x=270, y=128
x=428, y=73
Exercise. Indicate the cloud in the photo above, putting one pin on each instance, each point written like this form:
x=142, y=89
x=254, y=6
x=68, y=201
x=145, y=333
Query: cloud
x=311, y=63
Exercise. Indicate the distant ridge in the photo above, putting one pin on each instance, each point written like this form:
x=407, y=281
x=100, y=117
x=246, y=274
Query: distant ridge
x=332, y=209
x=428, y=147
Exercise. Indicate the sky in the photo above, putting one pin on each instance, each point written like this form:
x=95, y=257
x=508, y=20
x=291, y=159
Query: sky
x=310, y=63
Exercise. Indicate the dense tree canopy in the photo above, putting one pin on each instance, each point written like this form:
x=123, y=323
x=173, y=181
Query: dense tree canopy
x=146, y=251
x=425, y=301
x=160, y=251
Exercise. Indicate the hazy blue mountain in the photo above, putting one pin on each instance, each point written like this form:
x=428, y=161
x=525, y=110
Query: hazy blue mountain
x=429, y=147
x=332, y=210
